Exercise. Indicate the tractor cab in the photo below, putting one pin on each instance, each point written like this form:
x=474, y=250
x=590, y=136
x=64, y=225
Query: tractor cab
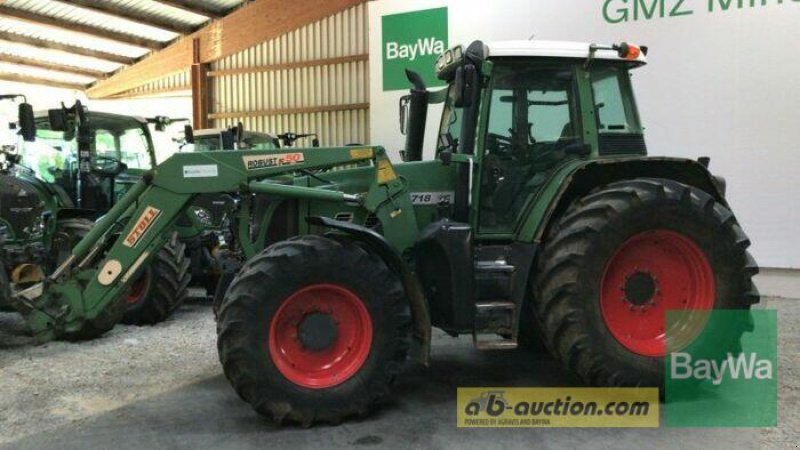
x=120, y=150
x=520, y=110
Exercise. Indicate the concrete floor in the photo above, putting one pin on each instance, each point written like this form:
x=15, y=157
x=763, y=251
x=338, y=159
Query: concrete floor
x=120, y=392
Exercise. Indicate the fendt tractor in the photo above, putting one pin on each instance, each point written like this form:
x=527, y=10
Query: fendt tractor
x=539, y=217
x=51, y=194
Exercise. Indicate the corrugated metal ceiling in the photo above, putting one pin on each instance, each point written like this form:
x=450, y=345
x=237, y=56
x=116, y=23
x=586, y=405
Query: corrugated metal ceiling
x=39, y=38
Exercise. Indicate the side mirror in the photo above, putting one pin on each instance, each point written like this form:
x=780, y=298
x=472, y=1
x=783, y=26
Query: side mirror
x=405, y=104
x=228, y=140
x=315, y=142
x=57, y=119
x=239, y=132
x=80, y=111
x=188, y=133
x=27, y=123
x=465, y=82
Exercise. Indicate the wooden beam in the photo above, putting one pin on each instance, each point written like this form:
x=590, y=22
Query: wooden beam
x=249, y=25
x=289, y=66
x=52, y=66
x=200, y=91
x=193, y=7
x=111, y=10
x=40, y=81
x=151, y=93
x=283, y=111
x=52, y=45
x=41, y=19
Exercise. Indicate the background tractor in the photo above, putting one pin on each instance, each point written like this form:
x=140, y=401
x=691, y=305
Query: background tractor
x=79, y=164
x=539, y=218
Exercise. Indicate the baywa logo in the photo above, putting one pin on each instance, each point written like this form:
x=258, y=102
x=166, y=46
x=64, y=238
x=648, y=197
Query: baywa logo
x=731, y=368
x=422, y=47
x=745, y=367
x=412, y=40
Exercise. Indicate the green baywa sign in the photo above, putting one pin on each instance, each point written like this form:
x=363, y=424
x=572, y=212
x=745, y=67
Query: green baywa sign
x=726, y=377
x=412, y=40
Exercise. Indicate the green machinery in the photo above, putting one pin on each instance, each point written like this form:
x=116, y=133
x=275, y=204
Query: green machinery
x=79, y=164
x=539, y=219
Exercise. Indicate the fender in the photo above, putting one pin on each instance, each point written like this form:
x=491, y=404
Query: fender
x=578, y=178
x=378, y=244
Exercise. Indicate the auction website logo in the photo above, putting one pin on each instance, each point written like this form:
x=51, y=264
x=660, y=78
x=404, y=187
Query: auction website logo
x=558, y=407
x=727, y=375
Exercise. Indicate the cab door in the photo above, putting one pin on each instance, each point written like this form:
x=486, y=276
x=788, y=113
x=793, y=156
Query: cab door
x=136, y=151
x=532, y=126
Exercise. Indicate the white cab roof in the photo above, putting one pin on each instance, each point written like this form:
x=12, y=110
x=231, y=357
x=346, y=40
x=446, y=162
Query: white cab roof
x=553, y=49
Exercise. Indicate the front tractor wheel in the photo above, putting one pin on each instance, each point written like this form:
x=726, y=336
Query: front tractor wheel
x=618, y=259
x=313, y=330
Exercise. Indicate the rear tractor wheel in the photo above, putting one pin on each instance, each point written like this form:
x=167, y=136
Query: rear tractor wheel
x=160, y=289
x=313, y=330
x=618, y=259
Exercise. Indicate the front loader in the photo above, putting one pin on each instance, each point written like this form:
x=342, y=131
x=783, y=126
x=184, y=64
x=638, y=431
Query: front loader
x=539, y=219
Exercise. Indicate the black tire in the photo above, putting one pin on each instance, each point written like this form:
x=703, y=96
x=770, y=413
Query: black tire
x=566, y=288
x=220, y=290
x=5, y=290
x=268, y=281
x=162, y=287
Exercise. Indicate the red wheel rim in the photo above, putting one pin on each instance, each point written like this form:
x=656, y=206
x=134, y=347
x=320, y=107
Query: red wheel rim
x=136, y=291
x=651, y=273
x=333, y=358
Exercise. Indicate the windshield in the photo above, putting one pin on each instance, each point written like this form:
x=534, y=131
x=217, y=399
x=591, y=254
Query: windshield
x=49, y=154
x=117, y=138
x=257, y=142
x=250, y=141
x=207, y=143
x=450, y=128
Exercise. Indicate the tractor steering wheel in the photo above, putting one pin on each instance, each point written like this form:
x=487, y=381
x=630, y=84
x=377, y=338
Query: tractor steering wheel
x=498, y=144
x=112, y=166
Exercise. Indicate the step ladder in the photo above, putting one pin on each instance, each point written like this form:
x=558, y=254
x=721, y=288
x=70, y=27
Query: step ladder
x=495, y=310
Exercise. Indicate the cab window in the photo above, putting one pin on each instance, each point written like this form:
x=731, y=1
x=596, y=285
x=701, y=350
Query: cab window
x=134, y=148
x=613, y=100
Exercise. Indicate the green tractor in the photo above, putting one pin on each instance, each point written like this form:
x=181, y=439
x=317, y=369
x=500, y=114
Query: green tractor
x=539, y=219
x=79, y=164
x=232, y=138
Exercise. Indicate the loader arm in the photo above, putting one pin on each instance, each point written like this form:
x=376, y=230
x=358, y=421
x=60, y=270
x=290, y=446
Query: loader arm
x=100, y=271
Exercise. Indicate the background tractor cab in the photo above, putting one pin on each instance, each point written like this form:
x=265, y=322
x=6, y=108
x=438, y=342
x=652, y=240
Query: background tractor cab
x=90, y=158
x=232, y=138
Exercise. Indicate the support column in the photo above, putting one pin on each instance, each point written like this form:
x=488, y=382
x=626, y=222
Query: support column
x=200, y=88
